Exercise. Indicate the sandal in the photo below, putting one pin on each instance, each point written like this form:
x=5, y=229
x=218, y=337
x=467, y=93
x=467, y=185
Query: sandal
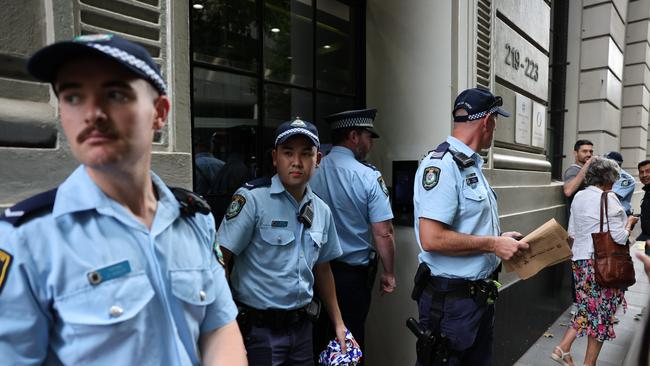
x=562, y=357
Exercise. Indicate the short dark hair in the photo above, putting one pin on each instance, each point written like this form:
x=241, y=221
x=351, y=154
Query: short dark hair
x=644, y=162
x=579, y=143
x=339, y=135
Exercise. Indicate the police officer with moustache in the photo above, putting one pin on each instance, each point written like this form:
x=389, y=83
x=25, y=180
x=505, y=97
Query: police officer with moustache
x=281, y=237
x=112, y=267
x=358, y=197
x=457, y=228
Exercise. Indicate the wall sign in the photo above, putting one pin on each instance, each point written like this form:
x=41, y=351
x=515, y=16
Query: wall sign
x=519, y=62
x=539, y=124
x=522, y=119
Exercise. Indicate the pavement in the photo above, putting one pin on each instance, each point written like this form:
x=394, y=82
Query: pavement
x=627, y=330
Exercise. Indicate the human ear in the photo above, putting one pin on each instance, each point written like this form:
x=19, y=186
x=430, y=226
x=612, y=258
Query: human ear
x=162, y=105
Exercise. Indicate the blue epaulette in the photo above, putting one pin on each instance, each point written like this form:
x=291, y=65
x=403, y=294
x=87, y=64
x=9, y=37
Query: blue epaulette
x=25, y=210
x=369, y=165
x=259, y=182
x=440, y=151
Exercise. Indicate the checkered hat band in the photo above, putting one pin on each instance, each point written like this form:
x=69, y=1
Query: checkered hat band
x=480, y=115
x=294, y=131
x=352, y=122
x=133, y=61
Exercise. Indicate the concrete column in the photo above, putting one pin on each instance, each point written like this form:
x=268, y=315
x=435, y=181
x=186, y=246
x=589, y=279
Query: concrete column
x=636, y=87
x=601, y=74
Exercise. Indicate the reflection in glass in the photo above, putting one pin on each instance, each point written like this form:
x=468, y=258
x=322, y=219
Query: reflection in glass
x=329, y=104
x=225, y=123
x=334, y=48
x=224, y=32
x=288, y=41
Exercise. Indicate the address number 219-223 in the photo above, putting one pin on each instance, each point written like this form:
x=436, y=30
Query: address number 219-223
x=514, y=60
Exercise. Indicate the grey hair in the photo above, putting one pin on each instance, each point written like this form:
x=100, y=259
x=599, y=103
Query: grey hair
x=602, y=171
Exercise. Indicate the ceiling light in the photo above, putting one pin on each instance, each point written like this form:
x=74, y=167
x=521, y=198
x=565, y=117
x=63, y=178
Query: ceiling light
x=275, y=30
x=197, y=6
x=327, y=46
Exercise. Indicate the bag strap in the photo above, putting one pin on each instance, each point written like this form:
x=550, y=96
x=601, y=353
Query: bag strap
x=603, y=208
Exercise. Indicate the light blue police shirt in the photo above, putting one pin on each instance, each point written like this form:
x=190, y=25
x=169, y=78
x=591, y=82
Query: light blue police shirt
x=357, y=196
x=624, y=188
x=55, y=309
x=464, y=201
x=275, y=253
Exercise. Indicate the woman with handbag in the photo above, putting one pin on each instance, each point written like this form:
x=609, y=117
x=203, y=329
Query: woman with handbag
x=596, y=303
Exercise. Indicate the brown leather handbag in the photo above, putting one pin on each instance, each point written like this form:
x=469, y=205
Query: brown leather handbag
x=612, y=262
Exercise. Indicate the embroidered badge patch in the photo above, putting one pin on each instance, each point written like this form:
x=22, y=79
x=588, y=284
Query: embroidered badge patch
x=625, y=183
x=430, y=177
x=5, y=265
x=237, y=203
x=382, y=184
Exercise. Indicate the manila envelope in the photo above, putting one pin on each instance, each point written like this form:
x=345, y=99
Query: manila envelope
x=549, y=245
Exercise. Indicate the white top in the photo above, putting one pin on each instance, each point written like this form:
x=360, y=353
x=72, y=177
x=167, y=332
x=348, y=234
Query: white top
x=585, y=219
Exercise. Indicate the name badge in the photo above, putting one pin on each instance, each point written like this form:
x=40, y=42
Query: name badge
x=108, y=273
x=279, y=223
x=471, y=179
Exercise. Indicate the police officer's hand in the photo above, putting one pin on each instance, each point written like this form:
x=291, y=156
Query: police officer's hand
x=340, y=335
x=387, y=283
x=505, y=247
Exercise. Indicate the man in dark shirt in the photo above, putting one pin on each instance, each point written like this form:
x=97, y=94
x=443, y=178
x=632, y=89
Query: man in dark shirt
x=644, y=177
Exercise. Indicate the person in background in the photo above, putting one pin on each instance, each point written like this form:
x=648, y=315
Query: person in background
x=596, y=305
x=624, y=186
x=644, y=177
x=206, y=166
x=358, y=197
x=281, y=238
x=574, y=176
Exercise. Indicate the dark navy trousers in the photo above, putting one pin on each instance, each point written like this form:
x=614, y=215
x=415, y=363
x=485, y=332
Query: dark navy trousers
x=353, y=293
x=291, y=346
x=468, y=326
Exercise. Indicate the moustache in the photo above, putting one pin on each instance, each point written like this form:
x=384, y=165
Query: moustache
x=105, y=129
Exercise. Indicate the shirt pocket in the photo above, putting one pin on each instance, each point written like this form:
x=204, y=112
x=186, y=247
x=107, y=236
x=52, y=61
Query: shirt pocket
x=276, y=252
x=475, y=199
x=314, y=241
x=196, y=290
x=115, y=303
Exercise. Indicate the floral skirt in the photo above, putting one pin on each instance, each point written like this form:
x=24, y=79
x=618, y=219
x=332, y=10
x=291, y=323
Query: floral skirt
x=596, y=305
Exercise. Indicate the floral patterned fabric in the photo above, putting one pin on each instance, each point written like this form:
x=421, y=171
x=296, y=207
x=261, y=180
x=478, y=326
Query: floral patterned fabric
x=596, y=305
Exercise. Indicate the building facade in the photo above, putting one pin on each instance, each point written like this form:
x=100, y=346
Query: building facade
x=236, y=69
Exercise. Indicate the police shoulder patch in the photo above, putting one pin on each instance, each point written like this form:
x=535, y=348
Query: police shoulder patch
x=5, y=265
x=430, y=177
x=625, y=183
x=382, y=184
x=237, y=203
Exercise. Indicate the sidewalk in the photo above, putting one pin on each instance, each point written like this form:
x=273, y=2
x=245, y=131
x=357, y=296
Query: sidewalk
x=613, y=352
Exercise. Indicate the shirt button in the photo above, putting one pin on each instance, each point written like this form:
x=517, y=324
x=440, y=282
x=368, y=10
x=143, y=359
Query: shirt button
x=116, y=311
x=279, y=240
x=202, y=295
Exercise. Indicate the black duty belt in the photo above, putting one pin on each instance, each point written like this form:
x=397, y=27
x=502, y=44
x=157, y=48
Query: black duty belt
x=479, y=290
x=274, y=318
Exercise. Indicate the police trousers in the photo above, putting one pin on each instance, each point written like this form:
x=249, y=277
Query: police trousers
x=288, y=346
x=469, y=328
x=353, y=292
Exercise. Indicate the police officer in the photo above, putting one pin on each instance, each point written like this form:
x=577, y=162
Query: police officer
x=624, y=186
x=281, y=237
x=358, y=197
x=457, y=228
x=111, y=267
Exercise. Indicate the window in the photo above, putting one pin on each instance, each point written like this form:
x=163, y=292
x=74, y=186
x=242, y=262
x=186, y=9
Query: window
x=258, y=63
